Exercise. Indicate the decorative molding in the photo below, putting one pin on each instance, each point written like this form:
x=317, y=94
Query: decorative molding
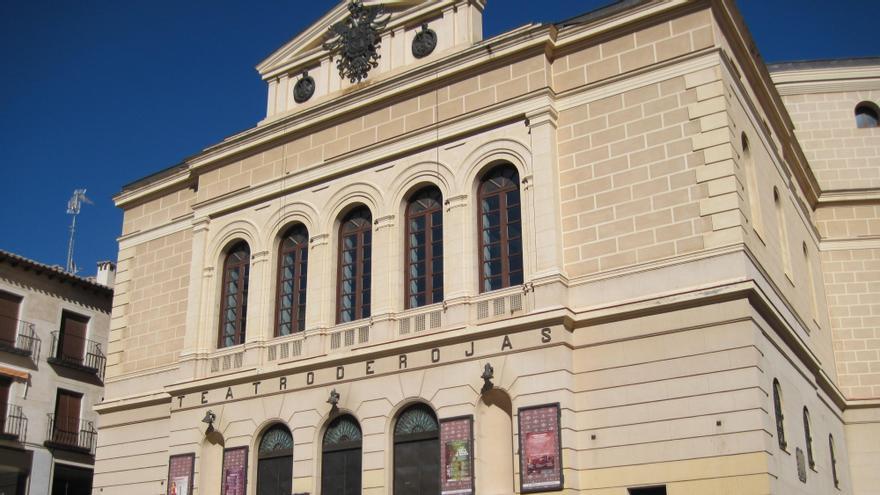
x=139, y=237
x=453, y=202
x=384, y=222
x=839, y=244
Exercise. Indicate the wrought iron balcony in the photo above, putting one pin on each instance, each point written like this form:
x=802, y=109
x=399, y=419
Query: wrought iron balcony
x=20, y=339
x=74, y=434
x=14, y=424
x=78, y=353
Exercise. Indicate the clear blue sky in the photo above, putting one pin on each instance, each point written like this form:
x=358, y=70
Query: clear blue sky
x=98, y=93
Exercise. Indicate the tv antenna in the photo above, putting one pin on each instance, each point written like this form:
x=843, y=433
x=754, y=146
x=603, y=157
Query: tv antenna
x=73, y=206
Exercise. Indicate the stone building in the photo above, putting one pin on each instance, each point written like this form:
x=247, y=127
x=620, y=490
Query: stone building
x=53, y=339
x=614, y=255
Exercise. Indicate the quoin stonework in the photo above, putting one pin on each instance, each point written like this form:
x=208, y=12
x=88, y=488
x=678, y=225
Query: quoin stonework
x=614, y=255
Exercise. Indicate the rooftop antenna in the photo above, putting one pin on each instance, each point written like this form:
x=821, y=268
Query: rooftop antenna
x=73, y=206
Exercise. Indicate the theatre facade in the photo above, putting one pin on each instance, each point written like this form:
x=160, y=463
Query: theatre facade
x=612, y=255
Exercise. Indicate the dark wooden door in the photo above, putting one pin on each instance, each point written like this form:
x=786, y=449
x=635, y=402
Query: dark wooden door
x=5, y=385
x=275, y=476
x=73, y=337
x=8, y=318
x=341, y=472
x=417, y=467
x=67, y=407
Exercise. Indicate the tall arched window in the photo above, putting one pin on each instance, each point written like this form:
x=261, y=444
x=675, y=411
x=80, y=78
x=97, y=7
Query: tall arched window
x=782, y=231
x=233, y=303
x=753, y=193
x=780, y=418
x=417, y=452
x=355, y=254
x=424, y=248
x=501, y=257
x=833, y=462
x=275, y=462
x=341, y=457
x=808, y=436
x=867, y=115
x=293, y=259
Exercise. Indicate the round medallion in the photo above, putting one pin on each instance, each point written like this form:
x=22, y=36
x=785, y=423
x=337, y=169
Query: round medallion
x=424, y=42
x=304, y=89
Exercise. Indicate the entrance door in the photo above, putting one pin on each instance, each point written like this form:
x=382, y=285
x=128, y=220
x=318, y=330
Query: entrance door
x=275, y=462
x=8, y=318
x=341, y=472
x=273, y=476
x=341, y=457
x=415, y=471
x=417, y=452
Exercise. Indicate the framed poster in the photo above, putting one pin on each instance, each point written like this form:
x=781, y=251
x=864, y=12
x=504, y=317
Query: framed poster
x=540, y=449
x=457, y=456
x=234, y=480
x=180, y=474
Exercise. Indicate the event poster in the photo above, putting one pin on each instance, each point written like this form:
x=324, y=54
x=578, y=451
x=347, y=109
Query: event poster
x=456, y=456
x=234, y=470
x=180, y=474
x=540, y=448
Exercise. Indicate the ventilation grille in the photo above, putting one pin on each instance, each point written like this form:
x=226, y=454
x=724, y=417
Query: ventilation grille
x=350, y=337
x=284, y=350
x=227, y=362
x=420, y=323
x=500, y=306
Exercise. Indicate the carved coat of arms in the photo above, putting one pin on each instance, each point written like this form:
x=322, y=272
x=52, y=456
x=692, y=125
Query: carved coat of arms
x=357, y=40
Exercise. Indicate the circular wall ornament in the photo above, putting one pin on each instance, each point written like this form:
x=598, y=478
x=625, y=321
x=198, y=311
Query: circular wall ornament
x=304, y=88
x=424, y=42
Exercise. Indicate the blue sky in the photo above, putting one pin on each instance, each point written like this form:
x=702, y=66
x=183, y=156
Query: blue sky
x=98, y=93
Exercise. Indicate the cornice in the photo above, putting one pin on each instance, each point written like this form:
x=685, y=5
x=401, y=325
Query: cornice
x=827, y=80
x=849, y=197
x=524, y=40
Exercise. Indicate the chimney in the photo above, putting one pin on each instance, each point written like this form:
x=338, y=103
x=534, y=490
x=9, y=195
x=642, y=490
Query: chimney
x=106, y=273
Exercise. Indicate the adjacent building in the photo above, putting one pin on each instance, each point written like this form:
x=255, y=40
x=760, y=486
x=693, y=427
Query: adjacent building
x=53, y=341
x=614, y=255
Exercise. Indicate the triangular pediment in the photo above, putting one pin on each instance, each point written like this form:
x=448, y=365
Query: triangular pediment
x=308, y=44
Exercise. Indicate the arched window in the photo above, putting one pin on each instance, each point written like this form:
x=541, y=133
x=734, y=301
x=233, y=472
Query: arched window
x=808, y=436
x=293, y=259
x=233, y=303
x=341, y=457
x=753, y=192
x=355, y=254
x=417, y=452
x=782, y=232
x=833, y=462
x=867, y=115
x=501, y=257
x=424, y=248
x=275, y=462
x=780, y=418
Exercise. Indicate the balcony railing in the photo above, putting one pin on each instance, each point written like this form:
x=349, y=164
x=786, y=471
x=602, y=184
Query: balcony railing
x=71, y=434
x=76, y=352
x=14, y=424
x=23, y=340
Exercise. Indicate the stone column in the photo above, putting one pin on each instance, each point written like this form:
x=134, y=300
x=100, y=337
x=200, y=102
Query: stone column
x=192, y=341
x=547, y=228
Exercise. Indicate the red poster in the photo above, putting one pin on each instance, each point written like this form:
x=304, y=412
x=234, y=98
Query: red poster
x=540, y=449
x=456, y=456
x=234, y=471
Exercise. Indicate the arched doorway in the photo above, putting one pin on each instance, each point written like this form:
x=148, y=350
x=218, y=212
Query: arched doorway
x=341, y=457
x=275, y=462
x=417, y=452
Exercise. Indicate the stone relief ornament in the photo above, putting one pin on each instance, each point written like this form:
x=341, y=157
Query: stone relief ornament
x=356, y=40
x=424, y=42
x=304, y=88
